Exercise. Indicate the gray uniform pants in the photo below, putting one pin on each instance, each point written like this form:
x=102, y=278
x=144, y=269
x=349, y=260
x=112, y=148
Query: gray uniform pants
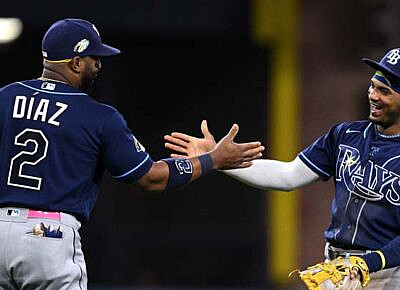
x=29, y=261
x=385, y=279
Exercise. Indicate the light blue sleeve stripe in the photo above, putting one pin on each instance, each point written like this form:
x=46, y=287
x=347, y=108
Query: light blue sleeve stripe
x=366, y=130
x=315, y=166
x=133, y=169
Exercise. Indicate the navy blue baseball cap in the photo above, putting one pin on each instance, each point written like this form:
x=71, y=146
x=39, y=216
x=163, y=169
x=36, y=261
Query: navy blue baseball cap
x=70, y=37
x=389, y=64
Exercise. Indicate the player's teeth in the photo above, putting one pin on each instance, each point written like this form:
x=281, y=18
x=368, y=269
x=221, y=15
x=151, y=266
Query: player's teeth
x=375, y=106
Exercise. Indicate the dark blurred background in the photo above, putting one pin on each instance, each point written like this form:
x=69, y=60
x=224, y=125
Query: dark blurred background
x=184, y=61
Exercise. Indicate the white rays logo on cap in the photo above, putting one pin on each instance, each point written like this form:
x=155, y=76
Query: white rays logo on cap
x=81, y=45
x=393, y=57
x=95, y=29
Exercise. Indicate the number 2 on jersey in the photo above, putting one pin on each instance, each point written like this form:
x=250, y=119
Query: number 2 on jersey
x=16, y=177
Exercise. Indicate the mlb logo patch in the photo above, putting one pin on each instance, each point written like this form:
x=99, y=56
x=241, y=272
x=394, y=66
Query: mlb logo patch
x=48, y=86
x=13, y=212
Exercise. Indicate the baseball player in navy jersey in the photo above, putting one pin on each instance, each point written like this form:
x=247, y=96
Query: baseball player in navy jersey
x=55, y=143
x=363, y=157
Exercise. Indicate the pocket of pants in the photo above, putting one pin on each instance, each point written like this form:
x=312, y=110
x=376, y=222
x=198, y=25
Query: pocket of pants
x=46, y=230
x=31, y=235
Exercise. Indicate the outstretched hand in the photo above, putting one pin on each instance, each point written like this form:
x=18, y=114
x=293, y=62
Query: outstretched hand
x=190, y=146
x=226, y=154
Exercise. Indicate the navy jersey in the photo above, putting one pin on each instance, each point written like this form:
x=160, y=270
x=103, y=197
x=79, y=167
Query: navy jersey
x=366, y=168
x=56, y=142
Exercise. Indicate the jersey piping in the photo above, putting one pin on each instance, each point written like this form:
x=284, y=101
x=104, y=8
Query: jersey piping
x=358, y=222
x=313, y=165
x=51, y=92
x=366, y=130
x=133, y=169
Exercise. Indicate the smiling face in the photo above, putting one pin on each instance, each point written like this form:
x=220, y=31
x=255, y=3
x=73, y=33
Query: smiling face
x=384, y=107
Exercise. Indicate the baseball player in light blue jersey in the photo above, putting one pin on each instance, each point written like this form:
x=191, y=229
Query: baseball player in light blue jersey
x=363, y=157
x=55, y=144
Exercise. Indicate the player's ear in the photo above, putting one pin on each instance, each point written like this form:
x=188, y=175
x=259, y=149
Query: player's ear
x=76, y=64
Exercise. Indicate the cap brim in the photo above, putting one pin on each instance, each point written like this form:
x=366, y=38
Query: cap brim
x=374, y=64
x=106, y=50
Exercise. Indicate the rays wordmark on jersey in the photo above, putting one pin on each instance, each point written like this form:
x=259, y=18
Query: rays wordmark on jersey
x=370, y=181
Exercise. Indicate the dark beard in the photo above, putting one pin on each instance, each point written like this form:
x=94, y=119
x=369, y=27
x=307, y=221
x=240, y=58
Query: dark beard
x=378, y=123
x=87, y=83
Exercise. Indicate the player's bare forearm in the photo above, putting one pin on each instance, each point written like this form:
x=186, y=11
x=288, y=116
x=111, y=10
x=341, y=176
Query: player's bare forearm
x=156, y=179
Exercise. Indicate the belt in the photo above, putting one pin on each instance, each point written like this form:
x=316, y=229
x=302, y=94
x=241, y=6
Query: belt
x=332, y=252
x=19, y=214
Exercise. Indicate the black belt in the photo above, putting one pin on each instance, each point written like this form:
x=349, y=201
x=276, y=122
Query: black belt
x=332, y=252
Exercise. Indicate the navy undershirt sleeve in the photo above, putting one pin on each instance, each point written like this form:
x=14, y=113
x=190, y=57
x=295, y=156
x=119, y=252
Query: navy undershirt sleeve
x=391, y=251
